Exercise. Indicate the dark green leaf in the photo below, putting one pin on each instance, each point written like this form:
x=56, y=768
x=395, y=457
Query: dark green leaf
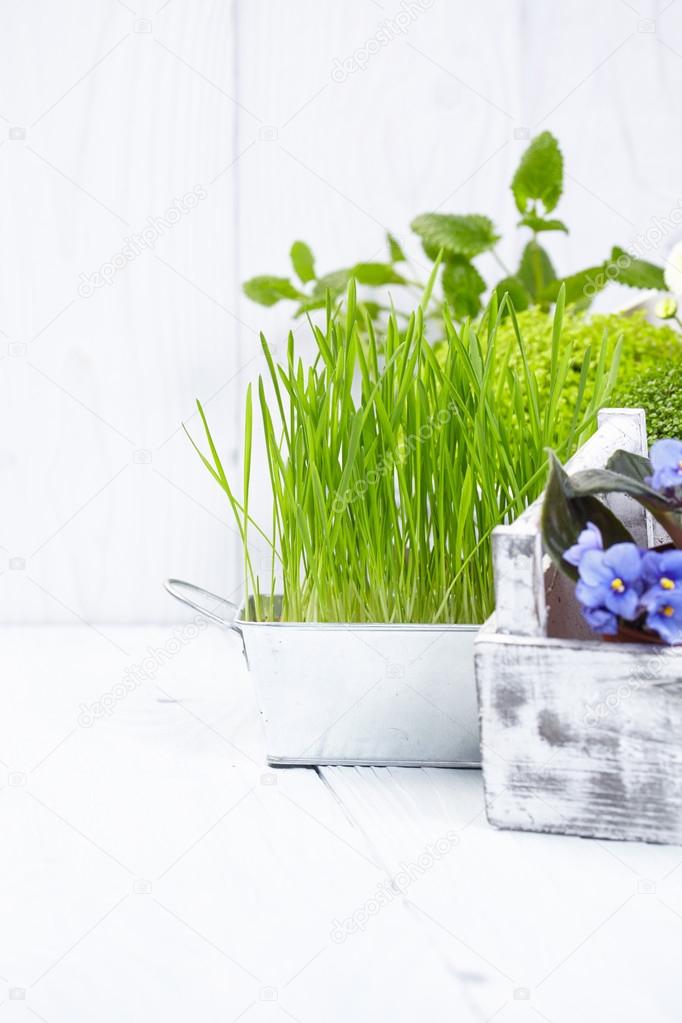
x=635, y=273
x=395, y=250
x=605, y=481
x=581, y=287
x=456, y=235
x=303, y=261
x=565, y=515
x=269, y=290
x=535, y=271
x=540, y=175
x=462, y=286
x=628, y=464
x=536, y=223
x=517, y=291
x=376, y=274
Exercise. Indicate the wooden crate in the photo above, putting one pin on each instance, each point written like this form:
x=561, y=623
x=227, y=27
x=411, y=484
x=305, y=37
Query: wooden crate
x=579, y=736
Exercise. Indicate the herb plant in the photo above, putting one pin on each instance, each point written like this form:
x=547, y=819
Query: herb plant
x=390, y=466
x=536, y=186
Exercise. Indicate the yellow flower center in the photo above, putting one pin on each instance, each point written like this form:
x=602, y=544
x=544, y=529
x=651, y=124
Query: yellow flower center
x=618, y=585
x=668, y=611
x=667, y=584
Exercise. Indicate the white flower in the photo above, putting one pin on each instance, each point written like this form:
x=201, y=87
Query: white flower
x=673, y=270
x=666, y=308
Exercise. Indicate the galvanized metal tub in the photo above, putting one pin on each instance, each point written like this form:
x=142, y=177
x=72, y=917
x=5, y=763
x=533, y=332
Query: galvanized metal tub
x=357, y=694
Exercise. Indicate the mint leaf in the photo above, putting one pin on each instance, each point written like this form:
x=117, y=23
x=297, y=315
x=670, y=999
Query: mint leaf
x=535, y=270
x=270, y=290
x=456, y=235
x=396, y=253
x=309, y=304
x=375, y=274
x=518, y=292
x=536, y=223
x=581, y=287
x=334, y=282
x=303, y=262
x=462, y=286
x=540, y=175
x=635, y=273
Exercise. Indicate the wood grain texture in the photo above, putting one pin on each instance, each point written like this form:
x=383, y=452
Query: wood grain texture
x=119, y=114
x=124, y=106
x=155, y=868
x=582, y=738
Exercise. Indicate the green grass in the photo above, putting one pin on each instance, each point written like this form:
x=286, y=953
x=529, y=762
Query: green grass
x=390, y=466
x=650, y=362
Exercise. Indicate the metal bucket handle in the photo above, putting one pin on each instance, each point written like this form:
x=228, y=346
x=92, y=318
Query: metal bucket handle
x=171, y=586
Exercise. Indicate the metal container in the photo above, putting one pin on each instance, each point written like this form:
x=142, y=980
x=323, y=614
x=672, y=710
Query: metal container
x=357, y=694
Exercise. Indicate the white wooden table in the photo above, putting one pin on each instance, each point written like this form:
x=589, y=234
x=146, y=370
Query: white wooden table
x=152, y=867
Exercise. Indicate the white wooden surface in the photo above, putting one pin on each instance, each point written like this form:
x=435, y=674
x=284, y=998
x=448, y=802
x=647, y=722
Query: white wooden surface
x=110, y=109
x=152, y=867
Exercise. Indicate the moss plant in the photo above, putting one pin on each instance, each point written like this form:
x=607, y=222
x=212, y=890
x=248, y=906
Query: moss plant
x=659, y=393
x=390, y=467
x=650, y=362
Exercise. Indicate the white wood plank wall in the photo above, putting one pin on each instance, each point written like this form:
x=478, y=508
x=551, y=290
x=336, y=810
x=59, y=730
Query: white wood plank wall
x=111, y=111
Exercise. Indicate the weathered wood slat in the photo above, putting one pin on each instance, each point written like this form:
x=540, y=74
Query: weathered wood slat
x=582, y=737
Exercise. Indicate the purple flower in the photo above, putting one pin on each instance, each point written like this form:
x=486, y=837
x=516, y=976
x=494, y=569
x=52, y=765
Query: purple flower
x=589, y=540
x=666, y=459
x=611, y=580
x=601, y=620
x=662, y=570
x=664, y=613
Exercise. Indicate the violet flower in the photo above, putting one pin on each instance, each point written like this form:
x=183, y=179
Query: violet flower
x=590, y=539
x=662, y=570
x=600, y=620
x=664, y=613
x=666, y=460
x=611, y=580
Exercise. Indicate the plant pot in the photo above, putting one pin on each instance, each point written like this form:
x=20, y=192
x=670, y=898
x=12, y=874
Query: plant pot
x=579, y=736
x=630, y=634
x=358, y=694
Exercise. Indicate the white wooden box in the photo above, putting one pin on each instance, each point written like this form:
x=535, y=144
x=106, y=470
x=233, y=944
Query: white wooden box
x=579, y=736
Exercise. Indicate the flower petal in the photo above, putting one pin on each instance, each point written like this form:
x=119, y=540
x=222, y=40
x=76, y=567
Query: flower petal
x=671, y=562
x=590, y=596
x=625, y=561
x=666, y=454
x=592, y=569
x=624, y=604
x=601, y=621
